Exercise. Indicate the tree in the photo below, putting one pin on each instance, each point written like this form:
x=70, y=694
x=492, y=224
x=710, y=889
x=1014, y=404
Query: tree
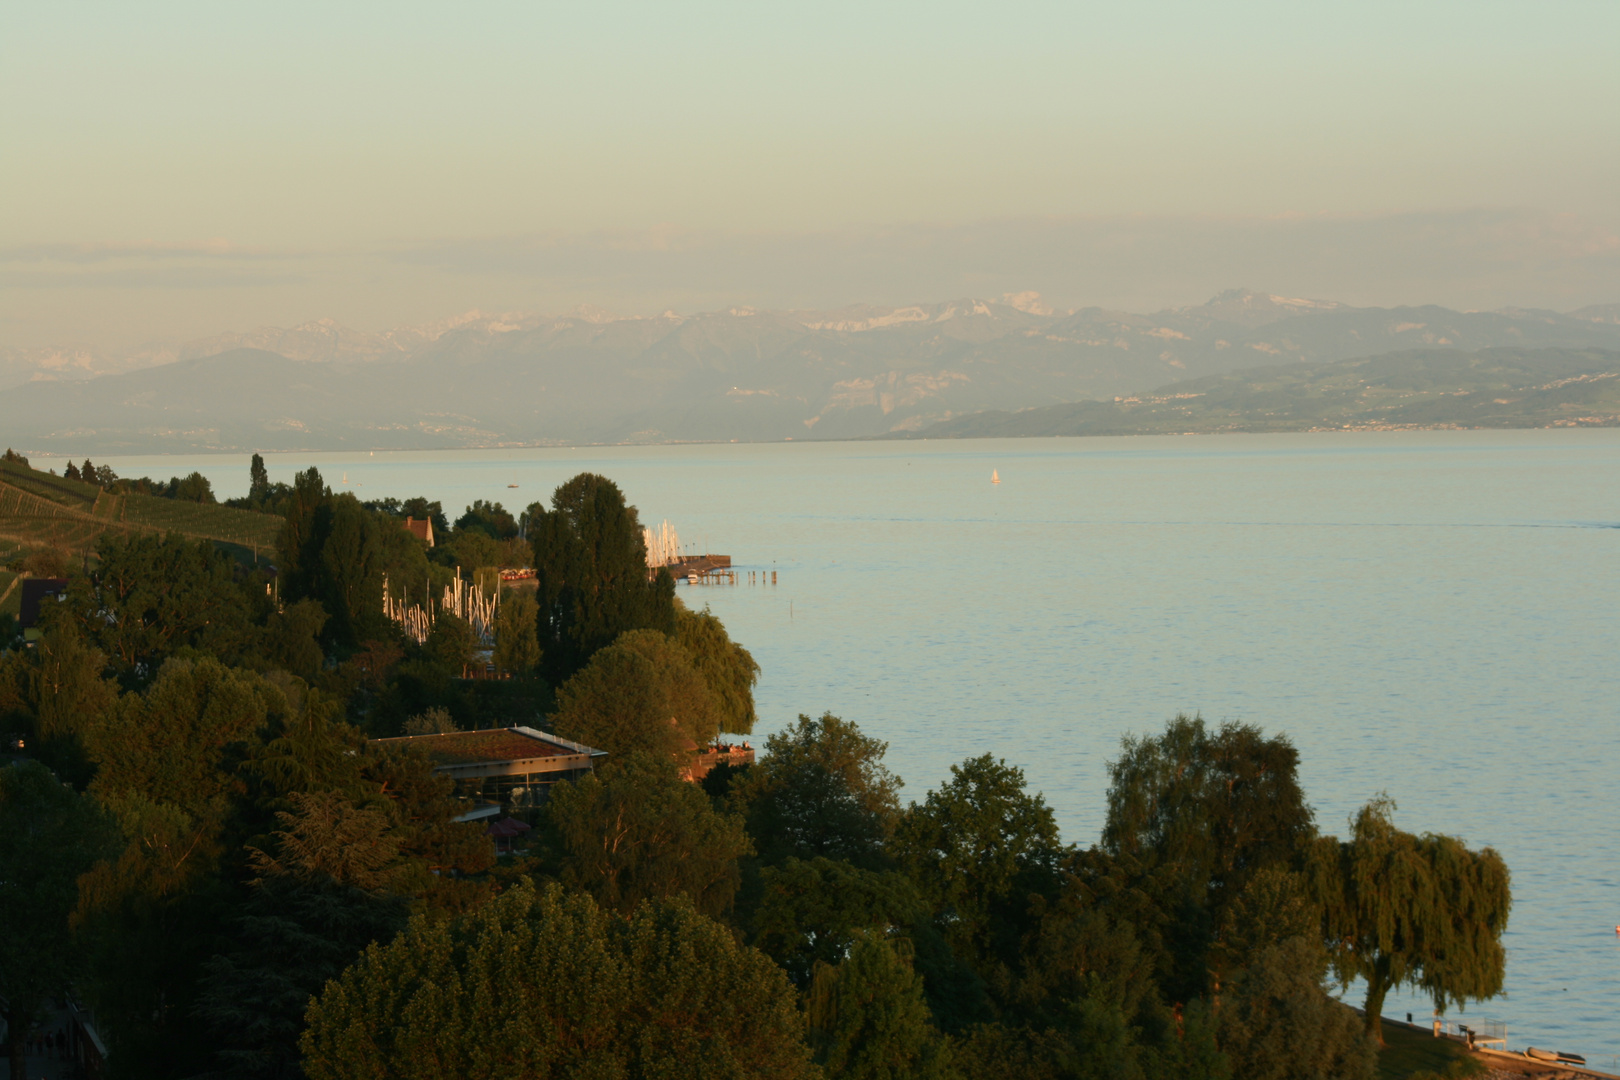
x=822, y=790
x=194, y=487
x=258, y=480
x=634, y=830
x=517, y=646
x=151, y=597
x=489, y=518
x=71, y=472
x=727, y=667
x=548, y=984
x=1200, y=812
x=49, y=836
x=867, y=1018
x=1279, y=1023
x=592, y=579
x=65, y=692
x=978, y=847
x=640, y=693
x=318, y=898
x=1405, y=910
x=810, y=912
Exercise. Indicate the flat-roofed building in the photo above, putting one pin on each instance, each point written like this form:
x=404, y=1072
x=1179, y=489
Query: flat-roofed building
x=502, y=767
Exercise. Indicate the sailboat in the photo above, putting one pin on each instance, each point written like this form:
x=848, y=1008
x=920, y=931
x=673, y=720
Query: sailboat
x=995, y=477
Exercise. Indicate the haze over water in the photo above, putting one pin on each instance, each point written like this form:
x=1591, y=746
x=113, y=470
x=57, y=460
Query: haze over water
x=1431, y=614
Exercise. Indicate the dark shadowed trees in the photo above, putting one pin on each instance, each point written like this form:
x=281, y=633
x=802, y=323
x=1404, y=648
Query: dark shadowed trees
x=868, y=1019
x=591, y=567
x=49, y=836
x=548, y=984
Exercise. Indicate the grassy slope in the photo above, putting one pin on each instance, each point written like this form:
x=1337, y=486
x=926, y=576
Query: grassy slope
x=1406, y=1052
x=1492, y=388
x=41, y=510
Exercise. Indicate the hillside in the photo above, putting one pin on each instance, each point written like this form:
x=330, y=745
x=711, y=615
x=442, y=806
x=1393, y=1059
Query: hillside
x=739, y=374
x=1431, y=388
x=39, y=510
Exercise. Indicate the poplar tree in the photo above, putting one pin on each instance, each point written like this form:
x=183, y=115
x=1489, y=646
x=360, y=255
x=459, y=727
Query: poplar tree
x=591, y=571
x=1413, y=910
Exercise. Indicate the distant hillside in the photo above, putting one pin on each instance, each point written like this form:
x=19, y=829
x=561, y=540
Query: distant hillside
x=1430, y=388
x=39, y=510
x=740, y=374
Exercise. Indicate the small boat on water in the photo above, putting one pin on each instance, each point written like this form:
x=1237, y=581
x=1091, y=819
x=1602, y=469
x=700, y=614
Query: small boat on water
x=511, y=485
x=995, y=477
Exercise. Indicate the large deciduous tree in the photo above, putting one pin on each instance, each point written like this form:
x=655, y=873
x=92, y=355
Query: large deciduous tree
x=727, y=667
x=548, y=984
x=1198, y=813
x=1413, y=910
x=822, y=790
x=49, y=836
x=640, y=693
x=633, y=830
x=868, y=1019
x=979, y=846
x=591, y=569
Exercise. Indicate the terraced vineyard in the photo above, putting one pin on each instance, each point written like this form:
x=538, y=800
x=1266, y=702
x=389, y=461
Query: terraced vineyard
x=41, y=510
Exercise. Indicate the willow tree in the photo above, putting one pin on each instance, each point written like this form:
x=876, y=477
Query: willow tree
x=1412, y=910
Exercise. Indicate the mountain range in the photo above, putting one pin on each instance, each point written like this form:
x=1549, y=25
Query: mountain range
x=740, y=374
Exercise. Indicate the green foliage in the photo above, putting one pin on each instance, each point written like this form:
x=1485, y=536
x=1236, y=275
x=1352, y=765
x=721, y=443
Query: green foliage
x=978, y=847
x=642, y=693
x=452, y=643
x=548, y=984
x=867, y=1018
x=60, y=686
x=290, y=940
x=811, y=912
x=591, y=567
x=1279, y=1022
x=291, y=638
x=49, y=836
x=258, y=479
x=150, y=598
x=822, y=790
x=1405, y=910
x=634, y=830
x=1202, y=812
x=728, y=668
x=517, y=644
x=489, y=518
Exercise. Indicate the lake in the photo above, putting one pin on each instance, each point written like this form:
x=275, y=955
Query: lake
x=1431, y=614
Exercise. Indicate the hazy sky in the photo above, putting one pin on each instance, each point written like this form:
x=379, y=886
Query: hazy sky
x=174, y=169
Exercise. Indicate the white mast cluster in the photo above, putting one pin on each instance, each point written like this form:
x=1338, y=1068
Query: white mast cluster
x=663, y=546
x=461, y=599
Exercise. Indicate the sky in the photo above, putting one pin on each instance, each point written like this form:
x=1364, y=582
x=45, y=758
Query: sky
x=171, y=170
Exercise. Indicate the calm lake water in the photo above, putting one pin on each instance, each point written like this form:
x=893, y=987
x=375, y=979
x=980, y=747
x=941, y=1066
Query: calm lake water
x=1431, y=614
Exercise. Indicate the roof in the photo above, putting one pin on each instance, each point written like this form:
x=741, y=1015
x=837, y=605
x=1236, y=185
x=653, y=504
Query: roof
x=422, y=530
x=492, y=745
x=34, y=592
